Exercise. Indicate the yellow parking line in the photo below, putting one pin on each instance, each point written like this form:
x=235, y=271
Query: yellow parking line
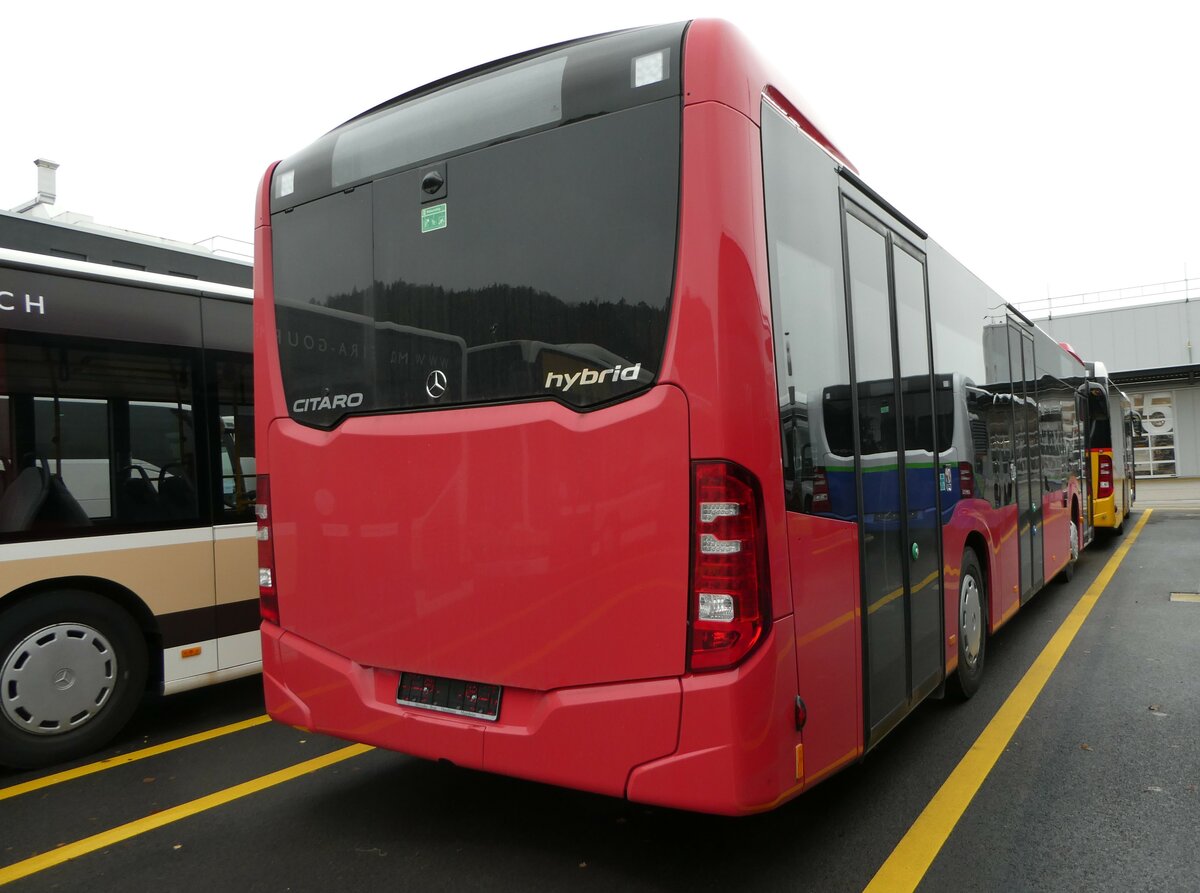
x=131, y=757
x=906, y=866
x=70, y=851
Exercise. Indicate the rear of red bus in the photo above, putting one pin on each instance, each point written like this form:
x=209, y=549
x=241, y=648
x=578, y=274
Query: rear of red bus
x=521, y=497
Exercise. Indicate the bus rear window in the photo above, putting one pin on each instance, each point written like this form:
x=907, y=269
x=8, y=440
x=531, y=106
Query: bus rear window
x=511, y=100
x=1099, y=428
x=546, y=273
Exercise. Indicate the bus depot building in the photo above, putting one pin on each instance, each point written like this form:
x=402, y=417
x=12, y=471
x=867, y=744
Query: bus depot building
x=1152, y=353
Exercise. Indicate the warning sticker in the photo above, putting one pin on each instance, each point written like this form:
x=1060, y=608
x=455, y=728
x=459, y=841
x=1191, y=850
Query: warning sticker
x=433, y=217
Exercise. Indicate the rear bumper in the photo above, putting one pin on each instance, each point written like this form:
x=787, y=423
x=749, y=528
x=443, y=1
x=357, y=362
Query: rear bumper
x=586, y=738
x=1105, y=512
x=721, y=743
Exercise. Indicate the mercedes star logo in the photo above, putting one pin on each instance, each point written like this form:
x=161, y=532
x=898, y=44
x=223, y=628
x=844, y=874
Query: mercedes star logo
x=64, y=679
x=435, y=384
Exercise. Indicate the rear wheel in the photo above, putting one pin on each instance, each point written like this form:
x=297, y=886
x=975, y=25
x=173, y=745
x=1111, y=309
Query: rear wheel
x=972, y=626
x=72, y=670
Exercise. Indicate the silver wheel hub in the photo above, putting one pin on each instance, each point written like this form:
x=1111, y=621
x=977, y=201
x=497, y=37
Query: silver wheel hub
x=970, y=618
x=1074, y=542
x=57, y=679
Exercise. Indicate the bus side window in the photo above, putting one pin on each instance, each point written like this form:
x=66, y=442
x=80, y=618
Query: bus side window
x=809, y=314
x=235, y=397
x=112, y=427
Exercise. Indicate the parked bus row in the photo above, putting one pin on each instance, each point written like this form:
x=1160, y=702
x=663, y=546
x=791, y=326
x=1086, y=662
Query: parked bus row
x=621, y=437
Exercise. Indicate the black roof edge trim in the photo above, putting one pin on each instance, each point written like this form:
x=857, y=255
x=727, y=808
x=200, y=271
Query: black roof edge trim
x=880, y=200
x=1021, y=316
x=1189, y=373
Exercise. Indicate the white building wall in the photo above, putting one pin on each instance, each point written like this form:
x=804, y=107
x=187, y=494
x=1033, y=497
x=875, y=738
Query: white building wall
x=1187, y=444
x=1134, y=338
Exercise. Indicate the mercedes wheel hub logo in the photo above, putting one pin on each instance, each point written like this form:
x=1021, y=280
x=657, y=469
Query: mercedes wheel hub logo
x=435, y=384
x=64, y=679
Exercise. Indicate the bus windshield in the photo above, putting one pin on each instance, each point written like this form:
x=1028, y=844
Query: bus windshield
x=536, y=266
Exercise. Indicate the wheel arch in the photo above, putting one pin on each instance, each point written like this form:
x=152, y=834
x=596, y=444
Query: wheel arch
x=130, y=602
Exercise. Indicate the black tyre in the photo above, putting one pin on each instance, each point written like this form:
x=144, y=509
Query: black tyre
x=72, y=671
x=972, y=626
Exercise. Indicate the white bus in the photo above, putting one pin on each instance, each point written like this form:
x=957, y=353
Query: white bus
x=127, y=548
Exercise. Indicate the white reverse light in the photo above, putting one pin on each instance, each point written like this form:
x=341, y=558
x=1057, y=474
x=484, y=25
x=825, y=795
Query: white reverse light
x=710, y=511
x=264, y=578
x=710, y=545
x=650, y=69
x=716, y=607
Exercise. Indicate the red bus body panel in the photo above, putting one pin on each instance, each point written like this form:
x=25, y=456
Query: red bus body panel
x=723, y=67
x=722, y=287
x=528, y=546
x=828, y=630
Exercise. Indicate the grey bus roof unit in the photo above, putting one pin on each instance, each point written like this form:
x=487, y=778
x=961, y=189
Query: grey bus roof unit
x=128, y=252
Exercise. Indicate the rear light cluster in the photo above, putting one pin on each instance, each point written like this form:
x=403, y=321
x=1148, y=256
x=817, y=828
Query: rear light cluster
x=268, y=595
x=729, y=610
x=966, y=480
x=1104, y=480
x=820, y=492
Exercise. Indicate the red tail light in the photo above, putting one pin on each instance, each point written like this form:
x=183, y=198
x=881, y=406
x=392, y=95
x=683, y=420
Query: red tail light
x=820, y=494
x=966, y=480
x=1104, y=479
x=729, y=611
x=268, y=595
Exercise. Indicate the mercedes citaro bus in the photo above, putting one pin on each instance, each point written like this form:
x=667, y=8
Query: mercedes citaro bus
x=615, y=434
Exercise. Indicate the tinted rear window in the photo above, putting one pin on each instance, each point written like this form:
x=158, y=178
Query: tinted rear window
x=1099, y=428
x=543, y=271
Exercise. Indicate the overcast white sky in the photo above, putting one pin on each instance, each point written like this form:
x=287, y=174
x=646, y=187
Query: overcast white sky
x=1053, y=147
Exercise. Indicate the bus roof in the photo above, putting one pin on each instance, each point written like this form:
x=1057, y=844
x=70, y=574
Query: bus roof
x=85, y=269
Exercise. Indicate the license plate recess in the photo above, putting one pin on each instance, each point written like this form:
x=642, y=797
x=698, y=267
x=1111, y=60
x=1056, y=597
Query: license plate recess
x=478, y=700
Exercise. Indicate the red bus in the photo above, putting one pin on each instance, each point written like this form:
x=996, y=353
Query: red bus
x=613, y=433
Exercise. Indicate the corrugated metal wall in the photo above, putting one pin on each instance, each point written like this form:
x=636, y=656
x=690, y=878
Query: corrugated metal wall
x=1187, y=425
x=1133, y=338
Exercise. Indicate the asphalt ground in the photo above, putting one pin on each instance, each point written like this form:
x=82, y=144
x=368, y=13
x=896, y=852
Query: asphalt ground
x=1095, y=790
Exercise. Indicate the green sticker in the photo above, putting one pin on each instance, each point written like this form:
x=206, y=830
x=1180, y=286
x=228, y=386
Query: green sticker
x=916, y=550
x=433, y=217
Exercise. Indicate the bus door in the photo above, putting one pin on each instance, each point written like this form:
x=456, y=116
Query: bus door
x=1027, y=439
x=897, y=481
